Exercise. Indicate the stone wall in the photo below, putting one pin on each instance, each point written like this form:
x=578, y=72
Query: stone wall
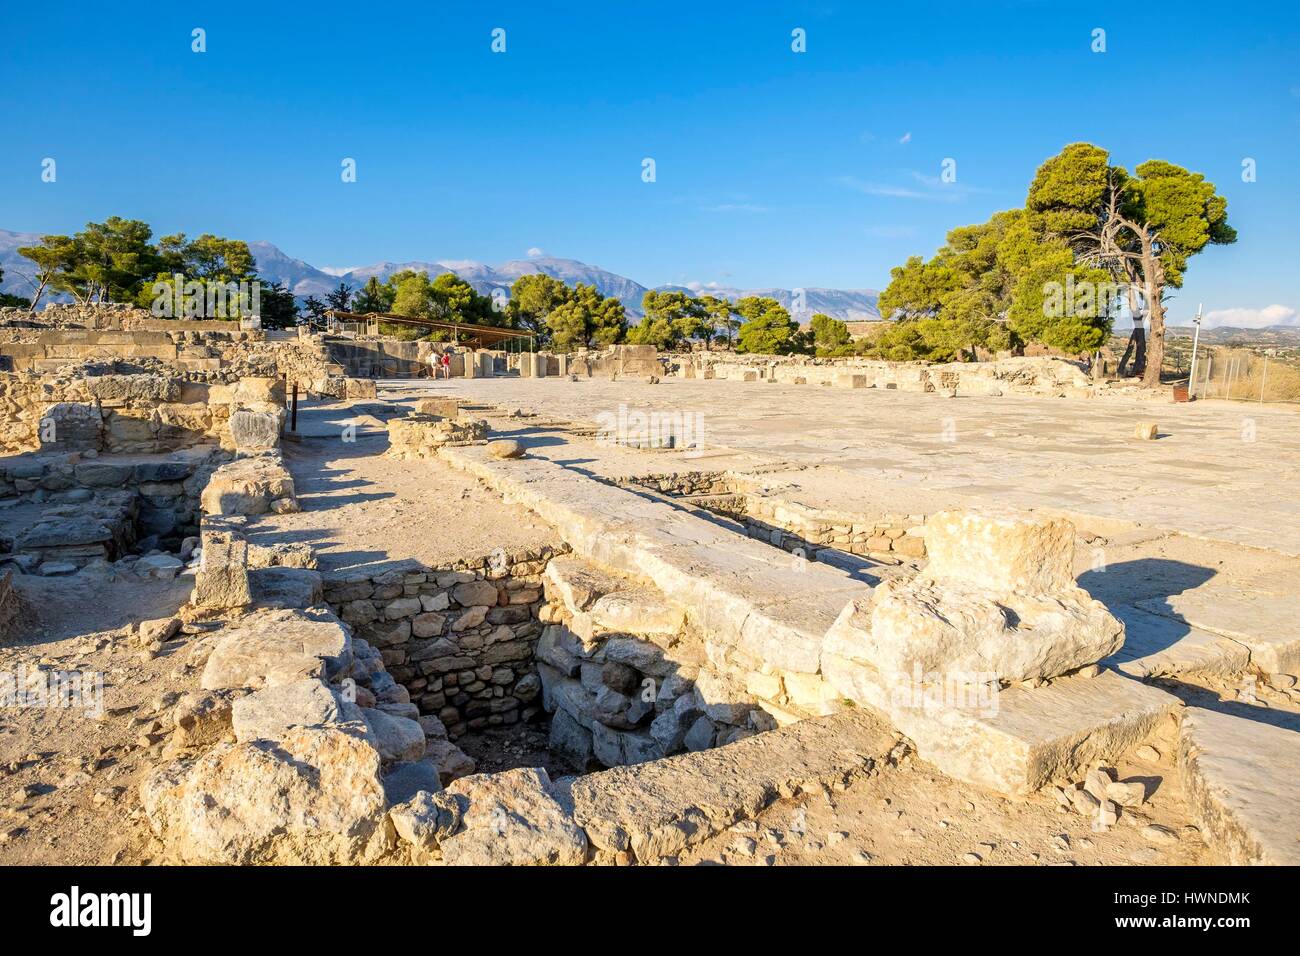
x=212, y=352
x=99, y=509
x=794, y=526
x=95, y=408
x=629, y=679
x=1022, y=375
x=461, y=639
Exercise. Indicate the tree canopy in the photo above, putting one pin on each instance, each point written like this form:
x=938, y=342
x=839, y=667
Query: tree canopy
x=1090, y=239
x=767, y=328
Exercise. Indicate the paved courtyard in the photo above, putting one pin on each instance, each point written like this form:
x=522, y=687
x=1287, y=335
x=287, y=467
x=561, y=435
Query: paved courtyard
x=1222, y=470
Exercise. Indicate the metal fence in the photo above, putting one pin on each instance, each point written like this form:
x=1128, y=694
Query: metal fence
x=1247, y=375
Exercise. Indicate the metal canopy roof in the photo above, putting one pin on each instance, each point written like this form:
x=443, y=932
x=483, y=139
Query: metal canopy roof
x=462, y=331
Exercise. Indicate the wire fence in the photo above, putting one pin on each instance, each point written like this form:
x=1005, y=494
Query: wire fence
x=1245, y=375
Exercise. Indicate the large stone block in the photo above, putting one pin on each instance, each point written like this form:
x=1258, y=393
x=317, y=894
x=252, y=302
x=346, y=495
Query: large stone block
x=278, y=647
x=1000, y=551
x=247, y=486
x=1241, y=779
x=314, y=797
x=222, y=580
x=254, y=432
x=511, y=819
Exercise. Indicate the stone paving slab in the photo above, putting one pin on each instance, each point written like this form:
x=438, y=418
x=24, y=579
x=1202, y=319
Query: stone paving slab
x=740, y=590
x=1019, y=740
x=1241, y=779
x=1199, y=478
x=1156, y=646
x=1266, y=624
x=658, y=809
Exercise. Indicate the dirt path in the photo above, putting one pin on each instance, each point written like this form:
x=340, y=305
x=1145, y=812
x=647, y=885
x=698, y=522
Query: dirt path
x=69, y=774
x=361, y=509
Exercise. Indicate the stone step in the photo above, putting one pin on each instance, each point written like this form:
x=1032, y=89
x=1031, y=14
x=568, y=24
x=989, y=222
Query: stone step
x=1265, y=623
x=1241, y=779
x=1157, y=646
x=739, y=591
x=1019, y=740
x=656, y=810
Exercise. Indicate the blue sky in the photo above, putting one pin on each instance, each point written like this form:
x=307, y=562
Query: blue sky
x=773, y=168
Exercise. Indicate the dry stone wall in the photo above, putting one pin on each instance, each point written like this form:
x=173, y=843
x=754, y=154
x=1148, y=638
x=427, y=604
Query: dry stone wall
x=460, y=639
x=1023, y=375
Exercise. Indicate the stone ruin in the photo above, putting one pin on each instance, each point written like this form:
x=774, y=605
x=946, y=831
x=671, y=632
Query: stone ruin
x=687, y=680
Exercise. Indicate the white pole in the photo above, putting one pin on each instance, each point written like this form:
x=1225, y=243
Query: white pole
x=1196, y=340
x=1263, y=381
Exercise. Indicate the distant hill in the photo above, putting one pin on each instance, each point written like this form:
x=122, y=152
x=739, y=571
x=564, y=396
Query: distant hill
x=1271, y=336
x=305, y=279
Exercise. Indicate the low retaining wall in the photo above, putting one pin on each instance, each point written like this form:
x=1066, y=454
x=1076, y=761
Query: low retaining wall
x=461, y=639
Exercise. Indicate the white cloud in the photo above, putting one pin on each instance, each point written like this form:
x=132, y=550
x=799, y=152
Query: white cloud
x=1252, y=318
x=906, y=138
x=945, y=194
x=734, y=207
x=534, y=252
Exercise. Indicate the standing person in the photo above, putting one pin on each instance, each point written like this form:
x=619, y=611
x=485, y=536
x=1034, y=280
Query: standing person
x=446, y=364
x=435, y=363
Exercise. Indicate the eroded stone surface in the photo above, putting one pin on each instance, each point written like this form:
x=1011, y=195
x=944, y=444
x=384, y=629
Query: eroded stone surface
x=278, y=647
x=313, y=797
x=1241, y=778
x=511, y=819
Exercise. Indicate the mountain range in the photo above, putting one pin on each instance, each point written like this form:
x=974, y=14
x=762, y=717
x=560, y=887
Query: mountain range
x=305, y=279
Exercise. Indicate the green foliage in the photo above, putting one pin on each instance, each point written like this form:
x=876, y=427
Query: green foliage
x=830, y=336
x=721, y=317
x=1052, y=271
x=340, y=298
x=105, y=262
x=207, y=258
x=315, y=308
x=279, y=311
x=533, y=298
x=12, y=301
x=586, y=319
x=768, y=328
x=447, y=298
x=374, y=297
x=938, y=340
x=671, y=319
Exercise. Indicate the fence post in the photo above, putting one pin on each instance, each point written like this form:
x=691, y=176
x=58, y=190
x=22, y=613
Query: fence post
x=1263, y=380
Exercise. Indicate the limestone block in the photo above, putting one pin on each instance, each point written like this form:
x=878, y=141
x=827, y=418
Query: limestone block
x=1014, y=741
x=1001, y=551
x=278, y=647
x=570, y=741
x=359, y=388
x=280, y=587
x=247, y=486
x=420, y=436
x=270, y=713
x=396, y=738
x=1146, y=431
x=511, y=819
x=441, y=407
x=312, y=798
x=405, y=780
x=222, y=579
x=254, y=432
x=201, y=719
x=1240, y=779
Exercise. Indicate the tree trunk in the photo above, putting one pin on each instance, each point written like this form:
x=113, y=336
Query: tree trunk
x=1153, y=276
